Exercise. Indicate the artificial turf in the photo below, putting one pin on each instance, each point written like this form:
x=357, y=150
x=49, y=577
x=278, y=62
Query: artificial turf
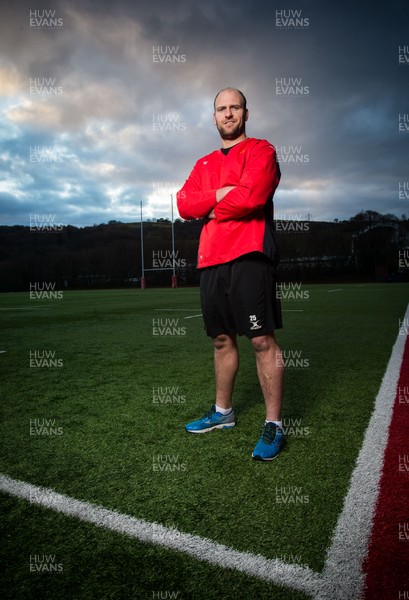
x=133, y=366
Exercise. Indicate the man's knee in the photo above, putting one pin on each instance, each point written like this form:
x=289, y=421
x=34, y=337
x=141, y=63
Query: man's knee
x=223, y=341
x=267, y=344
x=264, y=343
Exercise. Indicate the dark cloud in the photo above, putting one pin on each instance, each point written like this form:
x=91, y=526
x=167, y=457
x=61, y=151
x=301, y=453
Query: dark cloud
x=128, y=126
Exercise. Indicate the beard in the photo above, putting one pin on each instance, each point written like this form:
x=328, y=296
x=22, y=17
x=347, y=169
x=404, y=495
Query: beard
x=233, y=133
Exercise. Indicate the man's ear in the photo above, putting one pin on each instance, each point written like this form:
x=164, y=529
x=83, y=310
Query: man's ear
x=247, y=114
x=214, y=118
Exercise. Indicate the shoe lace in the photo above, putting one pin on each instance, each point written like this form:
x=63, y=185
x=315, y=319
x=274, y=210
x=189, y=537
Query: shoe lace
x=209, y=413
x=269, y=432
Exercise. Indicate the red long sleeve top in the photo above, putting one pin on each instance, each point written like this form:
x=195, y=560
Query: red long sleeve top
x=244, y=218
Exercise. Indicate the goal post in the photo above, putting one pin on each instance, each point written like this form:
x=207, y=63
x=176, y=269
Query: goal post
x=174, y=281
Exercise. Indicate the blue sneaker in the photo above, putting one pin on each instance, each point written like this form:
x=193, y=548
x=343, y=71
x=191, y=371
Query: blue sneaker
x=212, y=420
x=270, y=443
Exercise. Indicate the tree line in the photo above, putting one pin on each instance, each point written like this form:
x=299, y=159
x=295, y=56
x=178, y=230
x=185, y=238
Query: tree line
x=368, y=246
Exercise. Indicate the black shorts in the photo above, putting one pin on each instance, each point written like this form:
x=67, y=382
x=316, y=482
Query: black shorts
x=240, y=297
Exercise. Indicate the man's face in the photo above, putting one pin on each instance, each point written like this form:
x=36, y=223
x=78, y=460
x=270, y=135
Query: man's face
x=229, y=116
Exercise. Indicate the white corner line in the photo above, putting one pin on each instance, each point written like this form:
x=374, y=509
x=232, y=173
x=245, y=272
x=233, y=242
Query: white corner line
x=342, y=577
x=293, y=576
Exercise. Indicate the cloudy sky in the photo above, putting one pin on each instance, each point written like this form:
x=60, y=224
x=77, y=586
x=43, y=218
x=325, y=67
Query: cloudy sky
x=105, y=105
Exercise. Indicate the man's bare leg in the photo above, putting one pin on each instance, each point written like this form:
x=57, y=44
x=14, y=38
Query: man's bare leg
x=226, y=364
x=270, y=370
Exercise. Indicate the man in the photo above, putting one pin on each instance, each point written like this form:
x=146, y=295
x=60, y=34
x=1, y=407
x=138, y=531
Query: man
x=232, y=188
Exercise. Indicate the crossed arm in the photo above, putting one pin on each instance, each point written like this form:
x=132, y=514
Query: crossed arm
x=256, y=184
x=220, y=194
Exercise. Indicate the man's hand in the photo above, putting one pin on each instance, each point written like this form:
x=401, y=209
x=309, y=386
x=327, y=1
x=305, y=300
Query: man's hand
x=221, y=192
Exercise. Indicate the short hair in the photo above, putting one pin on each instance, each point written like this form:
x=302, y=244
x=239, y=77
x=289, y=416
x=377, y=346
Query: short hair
x=231, y=89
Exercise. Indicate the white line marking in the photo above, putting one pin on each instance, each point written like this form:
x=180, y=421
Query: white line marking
x=341, y=579
x=193, y=316
x=181, y=309
x=27, y=308
x=295, y=576
x=342, y=575
x=337, y=290
x=3, y=351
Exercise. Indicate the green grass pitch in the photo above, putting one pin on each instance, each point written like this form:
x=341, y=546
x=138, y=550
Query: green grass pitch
x=96, y=389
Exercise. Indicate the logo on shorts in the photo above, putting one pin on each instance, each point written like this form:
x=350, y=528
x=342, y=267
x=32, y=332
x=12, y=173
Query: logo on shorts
x=254, y=322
